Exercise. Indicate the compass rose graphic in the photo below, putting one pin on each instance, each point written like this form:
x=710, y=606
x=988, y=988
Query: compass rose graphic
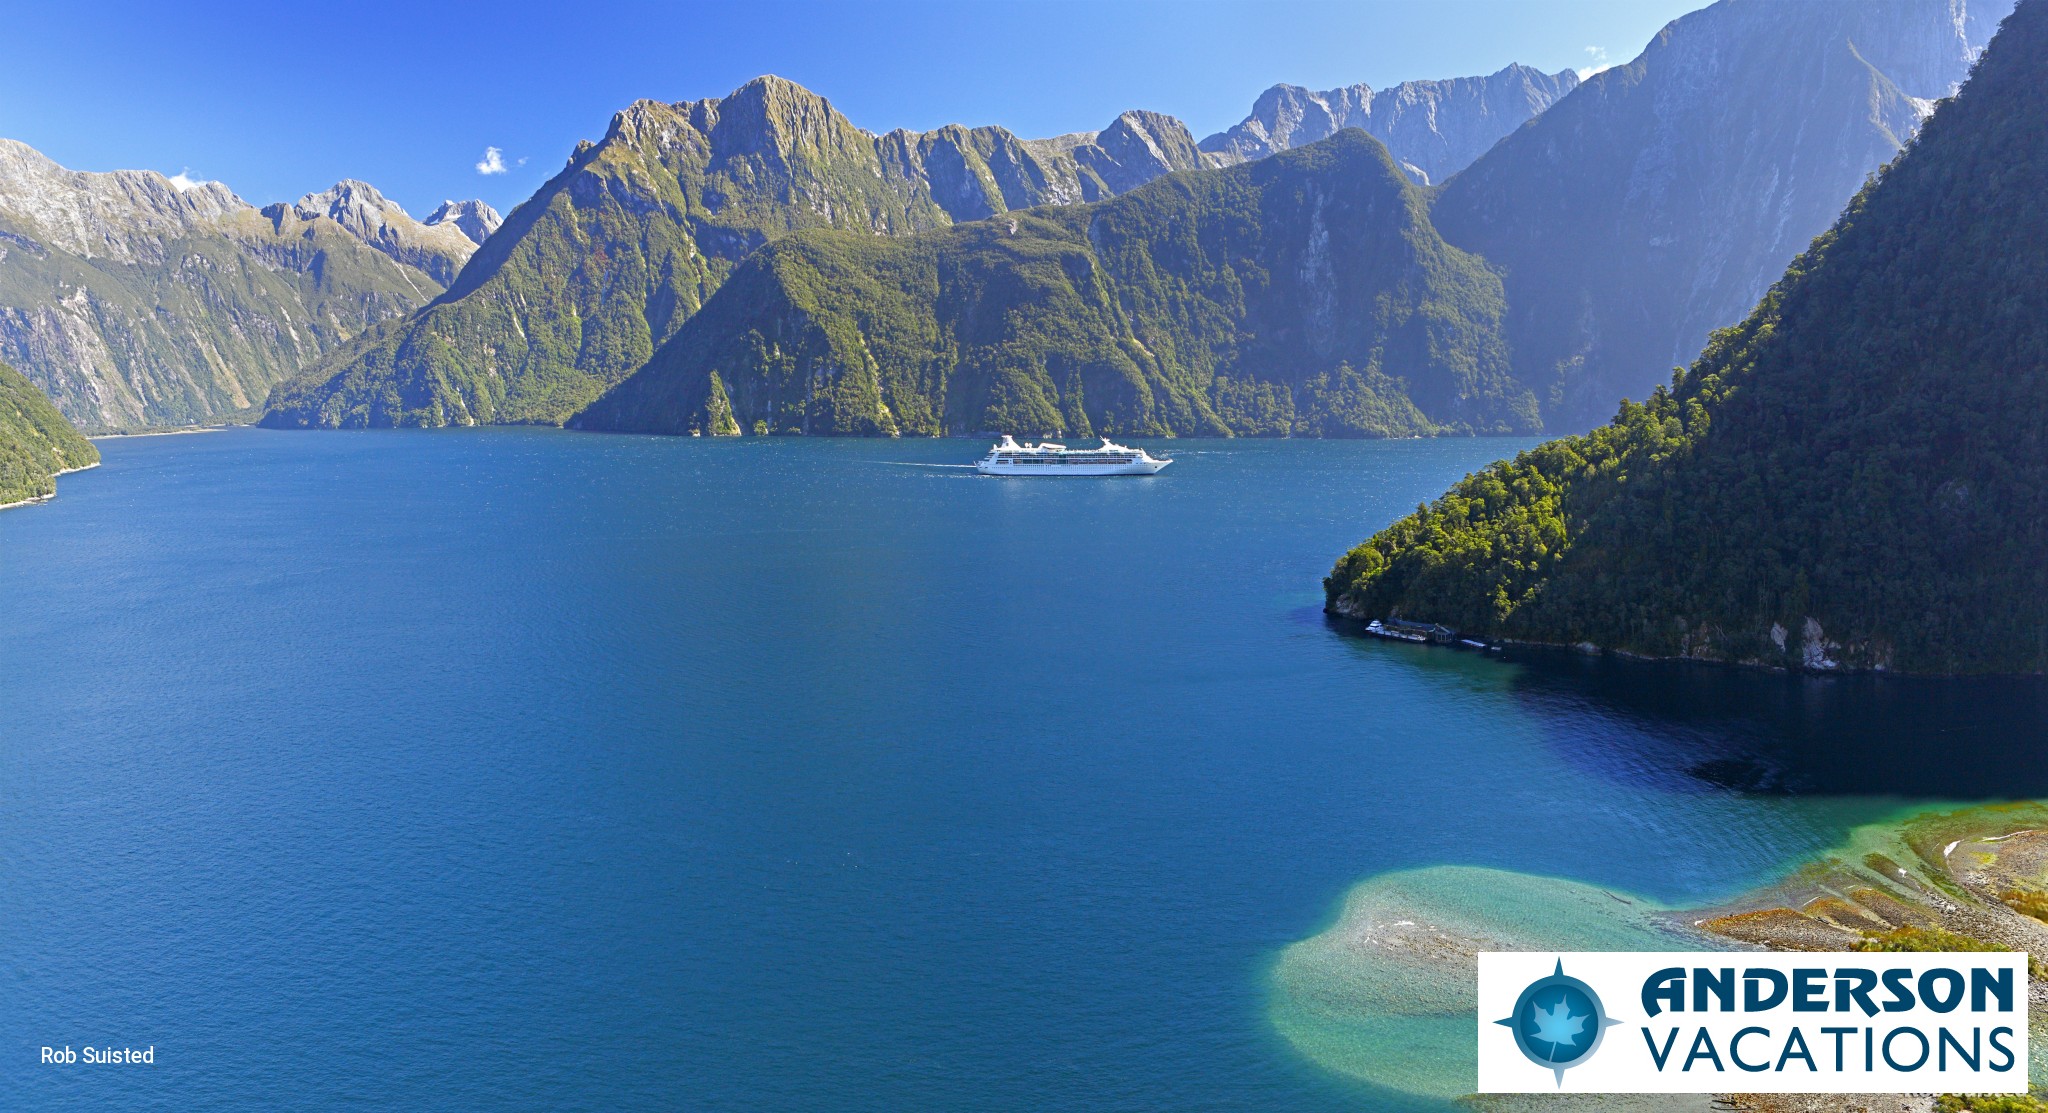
x=1558, y=1022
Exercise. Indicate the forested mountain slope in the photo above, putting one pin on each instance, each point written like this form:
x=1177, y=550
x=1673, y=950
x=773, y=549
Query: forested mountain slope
x=1856, y=475
x=1305, y=294
x=603, y=265
x=36, y=443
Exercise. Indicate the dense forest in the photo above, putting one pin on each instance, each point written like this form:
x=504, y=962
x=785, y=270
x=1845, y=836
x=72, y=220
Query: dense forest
x=1305, y=294
x=36, y=443
x=1856, y=475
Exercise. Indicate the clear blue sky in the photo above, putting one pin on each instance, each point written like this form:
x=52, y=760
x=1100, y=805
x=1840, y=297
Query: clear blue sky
x=279, y=99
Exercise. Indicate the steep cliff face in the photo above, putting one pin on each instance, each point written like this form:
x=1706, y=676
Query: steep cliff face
x=1855, y=475
x=437, y=249
x=36, y=443
x=588, y=277
x=1658, y=200
x=1433, y=128
x=133, y=300
x=1137, y=148
x=1300, y=295
x=974, y=173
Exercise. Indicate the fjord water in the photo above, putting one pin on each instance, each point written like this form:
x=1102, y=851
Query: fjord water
x=519, y=769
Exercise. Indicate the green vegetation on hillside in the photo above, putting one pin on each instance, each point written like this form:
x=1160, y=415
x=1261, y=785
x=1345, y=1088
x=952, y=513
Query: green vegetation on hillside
x=1989, y=1103
x=1588, y=251
x=594, y=272
x=1855, y=475
x=591, y=274
x=36, y=443
x=1306, y=294
x=200, y=330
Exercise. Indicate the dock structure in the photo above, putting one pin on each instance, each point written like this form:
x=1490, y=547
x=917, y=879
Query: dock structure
x=1431, y=631
x=1408, y=630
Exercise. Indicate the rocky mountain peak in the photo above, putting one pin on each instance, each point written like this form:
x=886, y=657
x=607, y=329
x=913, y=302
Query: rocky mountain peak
x=124, y=215
x=356, y=206
x=472, y=218
x=776, y=117
x=1434, y=128
x=1138, y=147
x=439, y=249
x=644, y=123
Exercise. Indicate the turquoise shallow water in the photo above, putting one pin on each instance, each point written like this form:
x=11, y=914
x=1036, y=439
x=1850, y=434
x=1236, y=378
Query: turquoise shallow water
x=522, y=769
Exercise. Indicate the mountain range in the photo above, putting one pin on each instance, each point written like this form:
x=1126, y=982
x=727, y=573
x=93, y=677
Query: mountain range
x=437, y=246
x=1659, y=200
x=1855, y=475
x=1434, y=128
x=1622, y=218
x=1647, y=205
x=613, y=255
x=1269, y=297
x=135, y=300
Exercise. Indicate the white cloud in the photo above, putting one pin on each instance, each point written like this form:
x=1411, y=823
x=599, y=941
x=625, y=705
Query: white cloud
x=493, y=162
x=1596, y=60
x=183, y=180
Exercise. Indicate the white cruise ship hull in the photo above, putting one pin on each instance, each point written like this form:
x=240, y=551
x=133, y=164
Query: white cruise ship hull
x=1076, y=471
x=1049, y=459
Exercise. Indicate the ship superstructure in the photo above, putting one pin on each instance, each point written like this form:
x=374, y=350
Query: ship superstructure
x=1046, y=458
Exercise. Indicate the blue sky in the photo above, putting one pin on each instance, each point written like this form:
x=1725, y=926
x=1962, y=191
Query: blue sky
x=276, y=100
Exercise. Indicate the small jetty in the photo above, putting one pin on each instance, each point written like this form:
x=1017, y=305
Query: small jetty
x=1433, y=633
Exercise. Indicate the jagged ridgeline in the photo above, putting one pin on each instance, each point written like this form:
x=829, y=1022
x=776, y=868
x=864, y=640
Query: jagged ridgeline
x=135, y=300
x=590, y=275
x=1303, y=294
x=1855, y=475
x=1660, y=199
x=36, y=443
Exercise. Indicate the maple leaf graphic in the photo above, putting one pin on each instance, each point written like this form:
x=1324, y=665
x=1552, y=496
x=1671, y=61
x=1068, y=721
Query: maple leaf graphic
x=1557, y=1027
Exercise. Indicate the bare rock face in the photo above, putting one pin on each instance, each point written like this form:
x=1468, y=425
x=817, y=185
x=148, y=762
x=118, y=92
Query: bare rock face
x=1433, y=128
x=133, y=299
x=1660, y=199
x=126, y=216
x=362, y=212
x=1139, y=147
x=974, y=173
x=472, y=218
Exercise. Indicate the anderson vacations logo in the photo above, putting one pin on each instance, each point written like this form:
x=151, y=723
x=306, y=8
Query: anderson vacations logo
x=1677, y=1022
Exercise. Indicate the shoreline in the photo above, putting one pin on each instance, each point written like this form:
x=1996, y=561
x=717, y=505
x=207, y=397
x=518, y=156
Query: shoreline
x=570, y=428
x=28, y=502
x=1591, y=649
x=179, y=432
x=1394, y=970
x=53, y=494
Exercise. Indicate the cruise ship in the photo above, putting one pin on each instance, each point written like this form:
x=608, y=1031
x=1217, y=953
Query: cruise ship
x=1047, y=458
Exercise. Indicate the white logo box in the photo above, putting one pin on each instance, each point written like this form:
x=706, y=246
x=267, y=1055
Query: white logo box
x=1942, y=1022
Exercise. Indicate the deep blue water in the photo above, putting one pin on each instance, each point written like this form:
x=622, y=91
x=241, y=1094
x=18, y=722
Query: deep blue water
x=520, y=769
